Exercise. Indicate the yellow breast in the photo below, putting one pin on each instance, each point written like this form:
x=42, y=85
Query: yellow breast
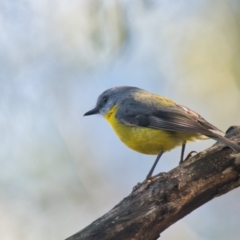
x=148, y=140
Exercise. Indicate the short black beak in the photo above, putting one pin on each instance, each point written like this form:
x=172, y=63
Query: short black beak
x=91, y=112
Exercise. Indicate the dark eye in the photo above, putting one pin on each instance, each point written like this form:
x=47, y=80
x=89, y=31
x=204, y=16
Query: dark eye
x=105, y=98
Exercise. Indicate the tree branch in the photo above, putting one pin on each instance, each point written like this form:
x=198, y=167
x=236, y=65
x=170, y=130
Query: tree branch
x=156, y=205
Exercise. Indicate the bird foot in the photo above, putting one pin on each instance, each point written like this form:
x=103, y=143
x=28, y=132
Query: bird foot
x=189, y=155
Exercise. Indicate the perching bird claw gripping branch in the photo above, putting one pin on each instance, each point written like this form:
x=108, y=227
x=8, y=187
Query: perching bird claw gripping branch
x=152, y=124
x=157, y=204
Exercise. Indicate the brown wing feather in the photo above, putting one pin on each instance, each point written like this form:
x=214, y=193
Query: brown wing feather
x=171, y=118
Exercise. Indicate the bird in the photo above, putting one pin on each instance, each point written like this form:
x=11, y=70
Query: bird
x=152, y=124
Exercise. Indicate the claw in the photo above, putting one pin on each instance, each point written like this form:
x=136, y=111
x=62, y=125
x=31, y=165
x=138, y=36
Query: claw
x=190, y=155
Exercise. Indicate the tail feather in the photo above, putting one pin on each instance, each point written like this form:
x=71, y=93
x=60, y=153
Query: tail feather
x=226, y=141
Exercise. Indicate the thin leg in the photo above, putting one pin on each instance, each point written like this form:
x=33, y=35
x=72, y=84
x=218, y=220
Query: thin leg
x=182, y=152
x=154, y=165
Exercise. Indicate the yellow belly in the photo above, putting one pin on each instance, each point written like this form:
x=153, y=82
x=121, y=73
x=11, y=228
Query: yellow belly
x=147, y=140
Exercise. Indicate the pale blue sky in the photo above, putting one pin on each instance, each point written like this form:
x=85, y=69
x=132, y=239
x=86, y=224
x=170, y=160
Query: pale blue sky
x=60, y=171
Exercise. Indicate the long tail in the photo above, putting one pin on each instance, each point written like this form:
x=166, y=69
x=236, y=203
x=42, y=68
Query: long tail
x=224, y=140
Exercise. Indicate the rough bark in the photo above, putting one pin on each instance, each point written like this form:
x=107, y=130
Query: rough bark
x=154, y=206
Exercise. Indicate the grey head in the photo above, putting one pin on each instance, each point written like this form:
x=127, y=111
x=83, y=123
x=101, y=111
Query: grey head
x=111, y=97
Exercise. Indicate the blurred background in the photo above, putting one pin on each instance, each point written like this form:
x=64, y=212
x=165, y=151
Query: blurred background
x=60, y=171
